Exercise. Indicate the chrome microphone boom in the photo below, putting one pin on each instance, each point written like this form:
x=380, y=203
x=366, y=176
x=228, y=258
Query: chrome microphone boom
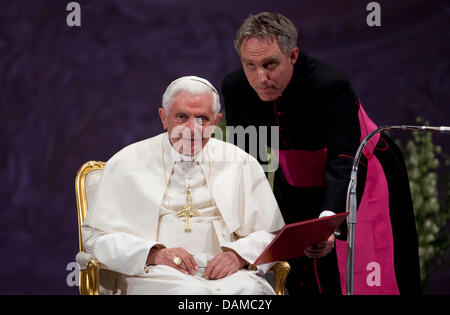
x=352, y=203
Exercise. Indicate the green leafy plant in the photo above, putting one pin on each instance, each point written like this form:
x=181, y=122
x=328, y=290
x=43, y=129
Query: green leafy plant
x=432, y=212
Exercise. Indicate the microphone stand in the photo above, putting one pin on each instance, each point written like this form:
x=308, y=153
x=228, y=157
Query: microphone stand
x=352, y=196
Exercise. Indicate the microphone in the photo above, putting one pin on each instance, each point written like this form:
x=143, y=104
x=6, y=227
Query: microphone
x=441, y=129
x=352, y=196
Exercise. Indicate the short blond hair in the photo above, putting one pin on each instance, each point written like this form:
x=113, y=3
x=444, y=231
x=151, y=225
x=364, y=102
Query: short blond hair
x=268, y=25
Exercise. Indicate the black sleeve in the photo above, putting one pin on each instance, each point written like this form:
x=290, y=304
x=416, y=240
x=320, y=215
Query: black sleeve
x=343, y=137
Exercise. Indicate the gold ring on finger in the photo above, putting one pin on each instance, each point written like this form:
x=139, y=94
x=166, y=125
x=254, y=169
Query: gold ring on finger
x=177, y=260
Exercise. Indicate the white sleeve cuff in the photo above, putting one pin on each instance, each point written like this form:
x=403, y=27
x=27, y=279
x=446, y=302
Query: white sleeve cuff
x=326, y=213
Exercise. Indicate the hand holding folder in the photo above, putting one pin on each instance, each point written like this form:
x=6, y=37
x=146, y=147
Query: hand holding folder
x=292, y=240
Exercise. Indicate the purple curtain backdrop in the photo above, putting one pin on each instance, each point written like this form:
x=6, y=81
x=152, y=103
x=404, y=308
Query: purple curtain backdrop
x=73, y=94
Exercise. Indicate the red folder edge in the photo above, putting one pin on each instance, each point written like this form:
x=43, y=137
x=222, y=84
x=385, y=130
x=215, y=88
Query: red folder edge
x=292, y=240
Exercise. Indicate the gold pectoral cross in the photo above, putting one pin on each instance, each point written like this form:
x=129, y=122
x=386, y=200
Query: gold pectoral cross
x=188, y=211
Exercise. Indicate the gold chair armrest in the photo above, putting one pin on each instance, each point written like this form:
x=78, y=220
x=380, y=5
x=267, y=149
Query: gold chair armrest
x=280, y=270
x=90, y=278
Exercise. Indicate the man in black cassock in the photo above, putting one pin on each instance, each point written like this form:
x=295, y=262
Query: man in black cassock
x=316, y=110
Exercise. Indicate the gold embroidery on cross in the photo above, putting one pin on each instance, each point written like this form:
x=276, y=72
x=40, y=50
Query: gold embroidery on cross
x=188, y=211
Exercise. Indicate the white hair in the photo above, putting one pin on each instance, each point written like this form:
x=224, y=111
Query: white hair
x=191, y=84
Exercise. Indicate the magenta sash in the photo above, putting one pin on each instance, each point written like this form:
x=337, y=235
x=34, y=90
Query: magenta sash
x=374, y=250
x=374, y=271
x=310, y=164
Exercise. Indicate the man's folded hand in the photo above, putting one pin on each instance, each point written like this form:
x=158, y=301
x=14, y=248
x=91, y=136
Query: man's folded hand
x=223, y=265
x=166, y=256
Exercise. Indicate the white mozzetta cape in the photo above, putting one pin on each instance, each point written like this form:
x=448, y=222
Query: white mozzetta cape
x=121, y=226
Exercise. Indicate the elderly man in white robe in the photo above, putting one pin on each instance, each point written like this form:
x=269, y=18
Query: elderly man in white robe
x=184, y=213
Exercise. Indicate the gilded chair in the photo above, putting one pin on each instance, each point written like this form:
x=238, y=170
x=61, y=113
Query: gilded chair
x=93, y=279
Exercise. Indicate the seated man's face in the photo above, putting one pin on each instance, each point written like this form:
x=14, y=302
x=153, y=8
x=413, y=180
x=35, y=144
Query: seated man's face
x=267, y=68
x=190, y=121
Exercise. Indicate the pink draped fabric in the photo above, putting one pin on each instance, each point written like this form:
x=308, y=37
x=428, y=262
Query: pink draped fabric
x=374, y=248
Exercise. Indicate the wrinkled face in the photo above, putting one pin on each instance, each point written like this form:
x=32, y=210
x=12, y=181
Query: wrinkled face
x=267, y=68
x=190, y=121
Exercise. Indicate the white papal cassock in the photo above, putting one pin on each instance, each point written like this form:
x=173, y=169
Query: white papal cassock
x=136, y=207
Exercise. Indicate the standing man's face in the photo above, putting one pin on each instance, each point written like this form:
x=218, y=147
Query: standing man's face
x=267, y=68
